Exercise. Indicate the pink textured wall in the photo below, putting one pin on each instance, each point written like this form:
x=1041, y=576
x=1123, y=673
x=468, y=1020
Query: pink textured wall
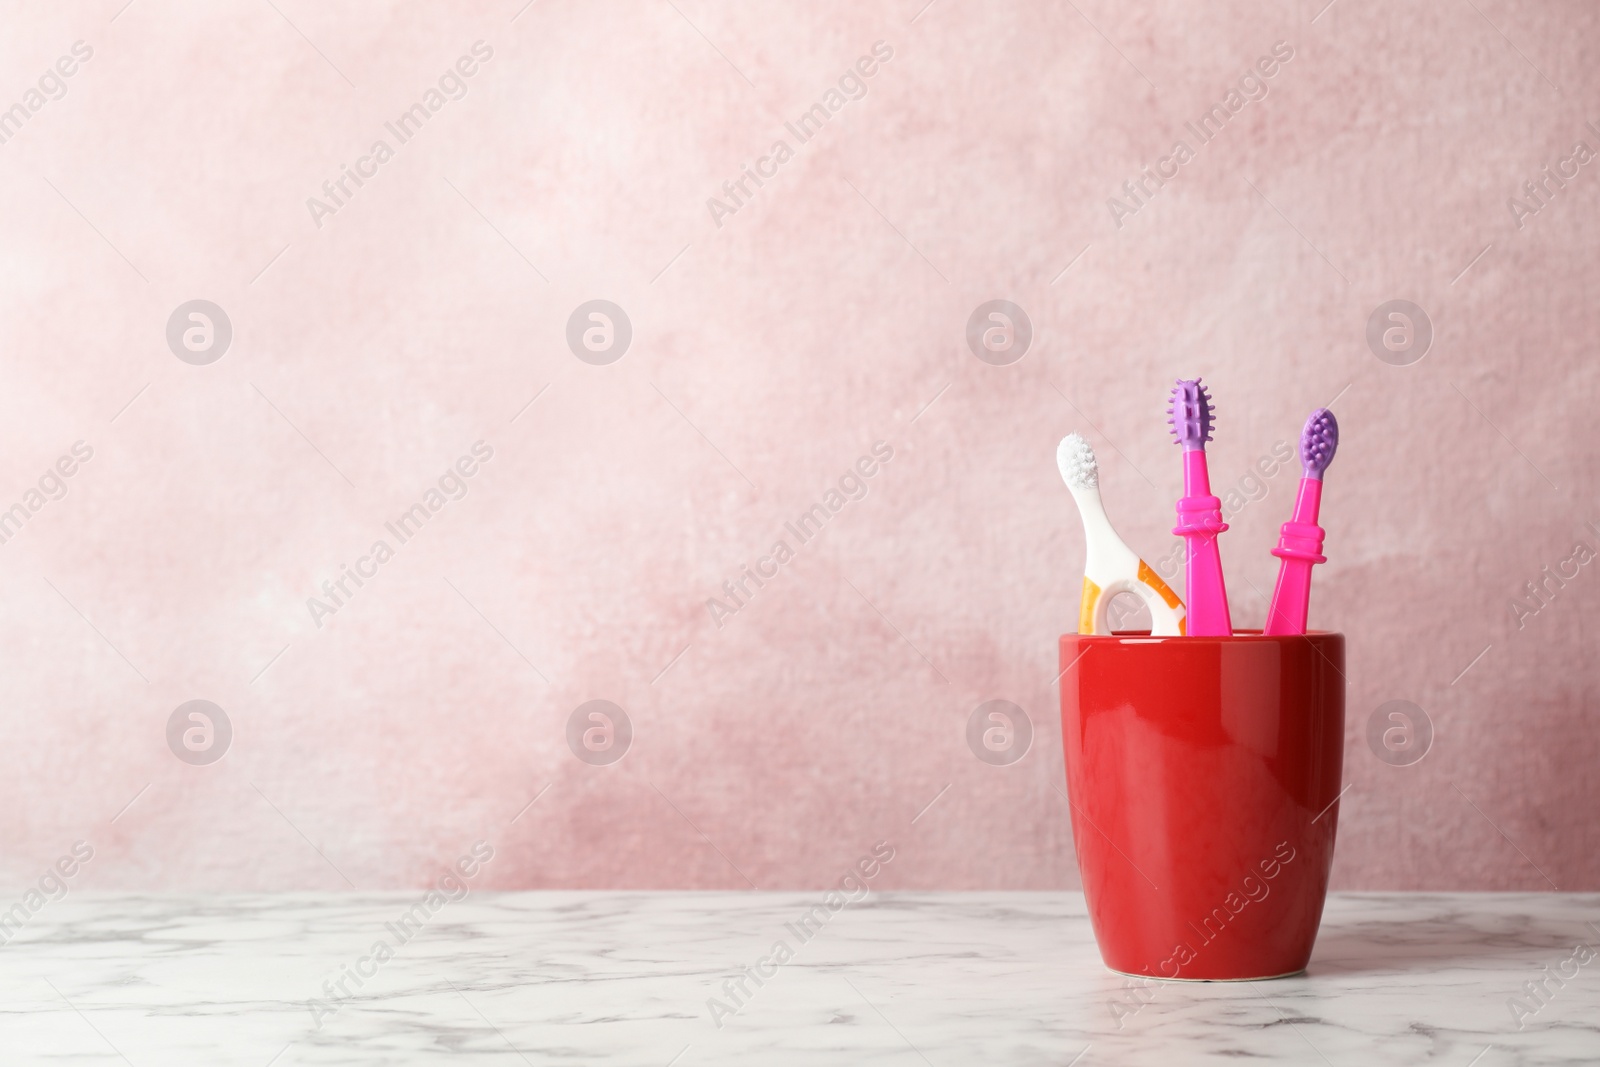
x=775, y=341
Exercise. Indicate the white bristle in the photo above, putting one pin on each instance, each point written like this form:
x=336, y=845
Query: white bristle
x=1076, y=459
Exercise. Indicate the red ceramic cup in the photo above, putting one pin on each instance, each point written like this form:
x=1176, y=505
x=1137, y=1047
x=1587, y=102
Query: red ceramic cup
x=1203, y=774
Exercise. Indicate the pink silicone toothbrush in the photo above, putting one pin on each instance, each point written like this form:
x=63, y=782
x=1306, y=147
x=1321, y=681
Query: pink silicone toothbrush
x=1199, y=514
x=1300, y=540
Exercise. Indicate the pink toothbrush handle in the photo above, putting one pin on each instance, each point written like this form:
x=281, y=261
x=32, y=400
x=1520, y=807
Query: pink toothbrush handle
x=1199, y=523
x=1300, y=547
x=1207, y=608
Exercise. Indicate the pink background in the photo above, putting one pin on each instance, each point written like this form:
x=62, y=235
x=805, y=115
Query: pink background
x=768, y=354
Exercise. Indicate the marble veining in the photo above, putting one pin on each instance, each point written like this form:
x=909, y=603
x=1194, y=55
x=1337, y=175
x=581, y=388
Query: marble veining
x=660, y=978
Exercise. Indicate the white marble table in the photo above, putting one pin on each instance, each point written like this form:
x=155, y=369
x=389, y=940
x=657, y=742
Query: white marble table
x=909, y=978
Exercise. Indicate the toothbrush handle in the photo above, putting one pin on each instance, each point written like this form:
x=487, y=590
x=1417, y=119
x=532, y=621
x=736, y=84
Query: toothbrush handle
x=1291, y=599
x=1199, y=523
x=1300, y=548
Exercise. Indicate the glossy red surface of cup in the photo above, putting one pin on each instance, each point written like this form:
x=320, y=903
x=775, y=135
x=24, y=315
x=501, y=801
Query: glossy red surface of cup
x=1203, y=774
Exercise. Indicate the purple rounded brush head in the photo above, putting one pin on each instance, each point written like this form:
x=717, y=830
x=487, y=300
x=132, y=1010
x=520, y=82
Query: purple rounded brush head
x=1191, y=414
x=1318, y=442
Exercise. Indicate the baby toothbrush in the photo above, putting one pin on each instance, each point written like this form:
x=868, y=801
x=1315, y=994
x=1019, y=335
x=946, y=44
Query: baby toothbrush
x=1199, y=513
x=1110, y=566
x=1300, y=540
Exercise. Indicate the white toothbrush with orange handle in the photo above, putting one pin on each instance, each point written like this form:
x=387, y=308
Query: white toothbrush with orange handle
x=1110, y=566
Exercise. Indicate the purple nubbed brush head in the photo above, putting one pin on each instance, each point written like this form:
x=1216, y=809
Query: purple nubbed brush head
x=1318, y=442
x=1191, y=414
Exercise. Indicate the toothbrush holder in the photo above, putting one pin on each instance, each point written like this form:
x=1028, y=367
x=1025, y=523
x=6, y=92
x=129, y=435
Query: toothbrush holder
x=1203, y=774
